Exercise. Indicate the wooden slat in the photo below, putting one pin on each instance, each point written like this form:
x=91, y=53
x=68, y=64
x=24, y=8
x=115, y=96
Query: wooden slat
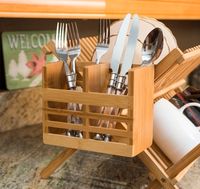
x=91, y=98
x=110, y=131
x=89, y=144
x=93, y=129
x=55, y=75
x=96, y=77
x=44, y=104
x=156, y=169
x=157, y=158
x=90, y=115
x=88, y=45
x=179, y=70
x=169, y=88
x=184, y=162
x=191, y=61
x=63, y=125
x=162, y=156
x=141, y=86
x=167, y=63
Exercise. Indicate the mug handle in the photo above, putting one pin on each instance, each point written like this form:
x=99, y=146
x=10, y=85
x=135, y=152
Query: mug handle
x=188, y=105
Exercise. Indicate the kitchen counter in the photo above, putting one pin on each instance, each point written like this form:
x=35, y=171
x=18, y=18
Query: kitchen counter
x=23, y=155
x=20, y=107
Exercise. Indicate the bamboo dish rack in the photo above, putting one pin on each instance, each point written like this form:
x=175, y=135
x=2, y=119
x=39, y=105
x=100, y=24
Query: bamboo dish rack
x=132, y=128
x=162, y=172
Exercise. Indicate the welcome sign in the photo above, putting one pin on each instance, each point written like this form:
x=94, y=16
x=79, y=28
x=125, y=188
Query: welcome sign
x=23, y=57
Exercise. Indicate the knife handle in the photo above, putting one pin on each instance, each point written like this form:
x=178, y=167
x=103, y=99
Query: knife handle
x=120, y=84
x=113, y=80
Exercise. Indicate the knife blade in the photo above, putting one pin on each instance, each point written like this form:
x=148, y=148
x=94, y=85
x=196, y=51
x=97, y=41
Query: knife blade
x=119, y=45
x=129, y=54
x=131, y=46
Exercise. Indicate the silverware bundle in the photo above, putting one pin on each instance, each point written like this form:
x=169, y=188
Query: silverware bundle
x=67, y=45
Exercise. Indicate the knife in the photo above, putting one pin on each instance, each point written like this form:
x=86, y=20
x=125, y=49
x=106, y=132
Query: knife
x=120, y=79
x=118, y=50
x=114, y=65
x=129, y=53
x=126, y=65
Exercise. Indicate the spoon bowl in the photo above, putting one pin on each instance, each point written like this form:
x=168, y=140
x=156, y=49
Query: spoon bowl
x=152, y=46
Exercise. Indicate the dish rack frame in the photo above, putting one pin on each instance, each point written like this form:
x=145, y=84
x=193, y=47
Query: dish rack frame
x=162, y=172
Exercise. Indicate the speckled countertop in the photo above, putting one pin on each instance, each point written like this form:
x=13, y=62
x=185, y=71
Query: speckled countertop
x=19, y=108
x=23, y=155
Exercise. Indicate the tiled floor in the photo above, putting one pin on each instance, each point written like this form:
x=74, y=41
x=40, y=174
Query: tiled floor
x=23, y=155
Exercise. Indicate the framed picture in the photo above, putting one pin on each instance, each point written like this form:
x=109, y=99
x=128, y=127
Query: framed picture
x=23, y=57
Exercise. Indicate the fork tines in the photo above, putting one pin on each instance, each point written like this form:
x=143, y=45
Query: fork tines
x=61, y=36
x=73, y=35
x=104, y=31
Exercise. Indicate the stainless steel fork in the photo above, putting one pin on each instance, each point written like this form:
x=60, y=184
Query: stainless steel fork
x=61, y=44
x=101, y=48
x=103, y=39
x=74, y=49
x=62, y=51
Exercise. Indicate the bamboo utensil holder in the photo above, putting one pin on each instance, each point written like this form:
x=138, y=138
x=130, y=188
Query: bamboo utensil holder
x=127, y=137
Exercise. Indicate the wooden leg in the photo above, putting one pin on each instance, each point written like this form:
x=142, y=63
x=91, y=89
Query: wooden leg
x=155, y=184
x=54, y=164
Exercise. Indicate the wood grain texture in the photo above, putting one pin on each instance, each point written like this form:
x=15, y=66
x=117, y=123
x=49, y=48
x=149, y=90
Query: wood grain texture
x=158, y=171
x=175, y=169
x=166, y=173
x=181, y=65
x=142, y=106
x=170, y=9
x=113, y=148
x=53, y=165
x=87, y=44
x=139, y=101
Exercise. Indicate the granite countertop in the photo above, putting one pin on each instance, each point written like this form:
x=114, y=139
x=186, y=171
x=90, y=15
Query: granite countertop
x=23, y=155
x=20, y=108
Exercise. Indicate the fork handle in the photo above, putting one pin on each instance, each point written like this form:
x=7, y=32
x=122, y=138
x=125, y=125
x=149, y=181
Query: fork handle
x=71, y=80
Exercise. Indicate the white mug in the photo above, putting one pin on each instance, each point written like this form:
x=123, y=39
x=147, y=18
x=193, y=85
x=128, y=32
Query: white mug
x=173, y=132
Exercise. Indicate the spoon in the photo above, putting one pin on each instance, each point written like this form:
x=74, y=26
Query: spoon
x=152, y=46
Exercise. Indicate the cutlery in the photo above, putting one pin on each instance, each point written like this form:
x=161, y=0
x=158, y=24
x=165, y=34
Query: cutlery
x=151, y=50
x=61, y=46
x=117, y=52
x=103, y=39
x=152, y=46
x=73, y=41
x=74, y=50
x=115, y=61
x=127, y=62
x=129, y=54
x=62, y=52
